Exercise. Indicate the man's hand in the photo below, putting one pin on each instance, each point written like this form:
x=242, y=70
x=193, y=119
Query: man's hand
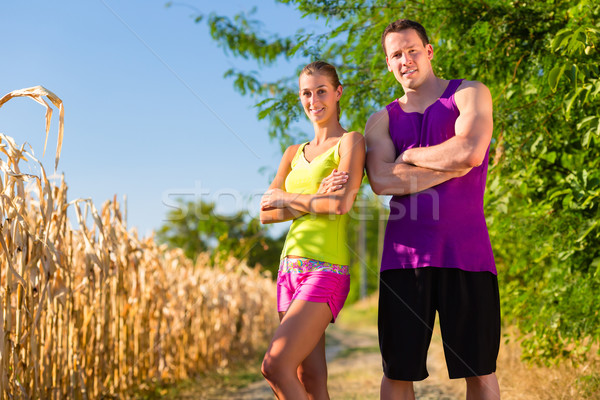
x=455, y=173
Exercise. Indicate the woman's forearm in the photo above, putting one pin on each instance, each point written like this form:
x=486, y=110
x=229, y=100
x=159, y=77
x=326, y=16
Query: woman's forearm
x=275, y=215
x=327, y=203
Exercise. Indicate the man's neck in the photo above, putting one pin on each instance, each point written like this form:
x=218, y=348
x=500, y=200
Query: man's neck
x=419, y=98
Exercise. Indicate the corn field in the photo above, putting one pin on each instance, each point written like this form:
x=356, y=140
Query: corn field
x=95, y=311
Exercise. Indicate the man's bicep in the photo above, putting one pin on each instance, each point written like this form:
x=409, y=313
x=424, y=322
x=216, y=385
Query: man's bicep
x=380, y=148
x=475, y=122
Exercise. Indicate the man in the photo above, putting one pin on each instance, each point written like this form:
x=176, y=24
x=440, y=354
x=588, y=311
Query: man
x=429, y=149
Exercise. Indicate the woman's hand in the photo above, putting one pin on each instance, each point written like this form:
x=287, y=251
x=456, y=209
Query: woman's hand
x=274, y=198
x=334, y=181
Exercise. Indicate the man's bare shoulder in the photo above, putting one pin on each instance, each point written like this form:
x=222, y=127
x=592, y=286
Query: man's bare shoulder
x=471, y=94
x=469, y=86
x=377, y=123
x=379, y=114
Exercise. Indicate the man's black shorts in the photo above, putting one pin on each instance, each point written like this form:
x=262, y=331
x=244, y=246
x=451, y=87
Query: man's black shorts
x=468, y=304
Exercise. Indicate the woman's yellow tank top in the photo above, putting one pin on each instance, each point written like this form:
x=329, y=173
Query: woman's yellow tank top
x=321, y=237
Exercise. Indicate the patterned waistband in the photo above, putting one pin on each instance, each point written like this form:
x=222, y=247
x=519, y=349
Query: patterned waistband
x=303, y=265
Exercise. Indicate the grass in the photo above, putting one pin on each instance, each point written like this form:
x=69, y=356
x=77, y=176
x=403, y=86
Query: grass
x=238, y=375
x=360, y=314
x=349, y=352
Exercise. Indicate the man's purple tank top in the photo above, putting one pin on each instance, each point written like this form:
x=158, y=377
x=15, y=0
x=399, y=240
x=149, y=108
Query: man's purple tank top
x=443, y=226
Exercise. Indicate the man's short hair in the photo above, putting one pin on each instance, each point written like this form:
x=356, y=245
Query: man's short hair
x=403, y=24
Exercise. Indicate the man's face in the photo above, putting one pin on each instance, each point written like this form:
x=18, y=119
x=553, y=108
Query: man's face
x=407, y=58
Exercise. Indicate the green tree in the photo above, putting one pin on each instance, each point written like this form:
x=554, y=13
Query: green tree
x=540, y=60
x=196, y=227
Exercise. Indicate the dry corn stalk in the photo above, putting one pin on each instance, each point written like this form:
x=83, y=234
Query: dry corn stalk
x=95, y=310
x=37, y=93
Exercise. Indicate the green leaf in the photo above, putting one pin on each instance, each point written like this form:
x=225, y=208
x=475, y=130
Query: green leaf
x=550, y=157
x=576, y=42
x=564, y=255
x=554, y=76
x=585, y=139
x=585, y=121
x=574, y=71
x=596, y=264
x=561, y=39
x=593, y=30
x=536, y=144
x=592, y=225
x=558, y=193
x=571, y=101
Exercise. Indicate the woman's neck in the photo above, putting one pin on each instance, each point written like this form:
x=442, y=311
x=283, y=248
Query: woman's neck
x=327, y=131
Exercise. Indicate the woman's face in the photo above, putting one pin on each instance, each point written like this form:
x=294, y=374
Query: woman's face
x=319, y=98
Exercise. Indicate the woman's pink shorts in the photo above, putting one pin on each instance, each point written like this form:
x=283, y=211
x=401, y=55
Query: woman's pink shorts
x=312, y=280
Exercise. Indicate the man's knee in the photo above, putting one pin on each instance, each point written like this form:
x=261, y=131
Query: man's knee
x=483, y=387
x=395, y=389
x=480, y=380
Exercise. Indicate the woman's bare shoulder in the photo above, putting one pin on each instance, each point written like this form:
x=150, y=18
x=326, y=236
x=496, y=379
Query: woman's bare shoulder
x=352, y=138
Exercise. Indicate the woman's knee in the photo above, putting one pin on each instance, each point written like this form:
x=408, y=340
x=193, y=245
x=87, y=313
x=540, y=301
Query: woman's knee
x=266, y=367
x=272, y=367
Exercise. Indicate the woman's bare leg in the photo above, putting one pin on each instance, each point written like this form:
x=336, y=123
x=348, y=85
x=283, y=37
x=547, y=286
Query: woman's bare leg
x=300, y=331
x=313, y=373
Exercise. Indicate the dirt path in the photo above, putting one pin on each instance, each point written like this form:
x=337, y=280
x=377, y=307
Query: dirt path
x=354, y=368
x=355, y=373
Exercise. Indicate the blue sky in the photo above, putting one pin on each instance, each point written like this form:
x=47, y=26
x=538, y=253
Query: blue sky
x=148, y=113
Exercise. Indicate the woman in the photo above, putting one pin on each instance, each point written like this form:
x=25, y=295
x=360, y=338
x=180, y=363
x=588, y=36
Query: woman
x=315, y=185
